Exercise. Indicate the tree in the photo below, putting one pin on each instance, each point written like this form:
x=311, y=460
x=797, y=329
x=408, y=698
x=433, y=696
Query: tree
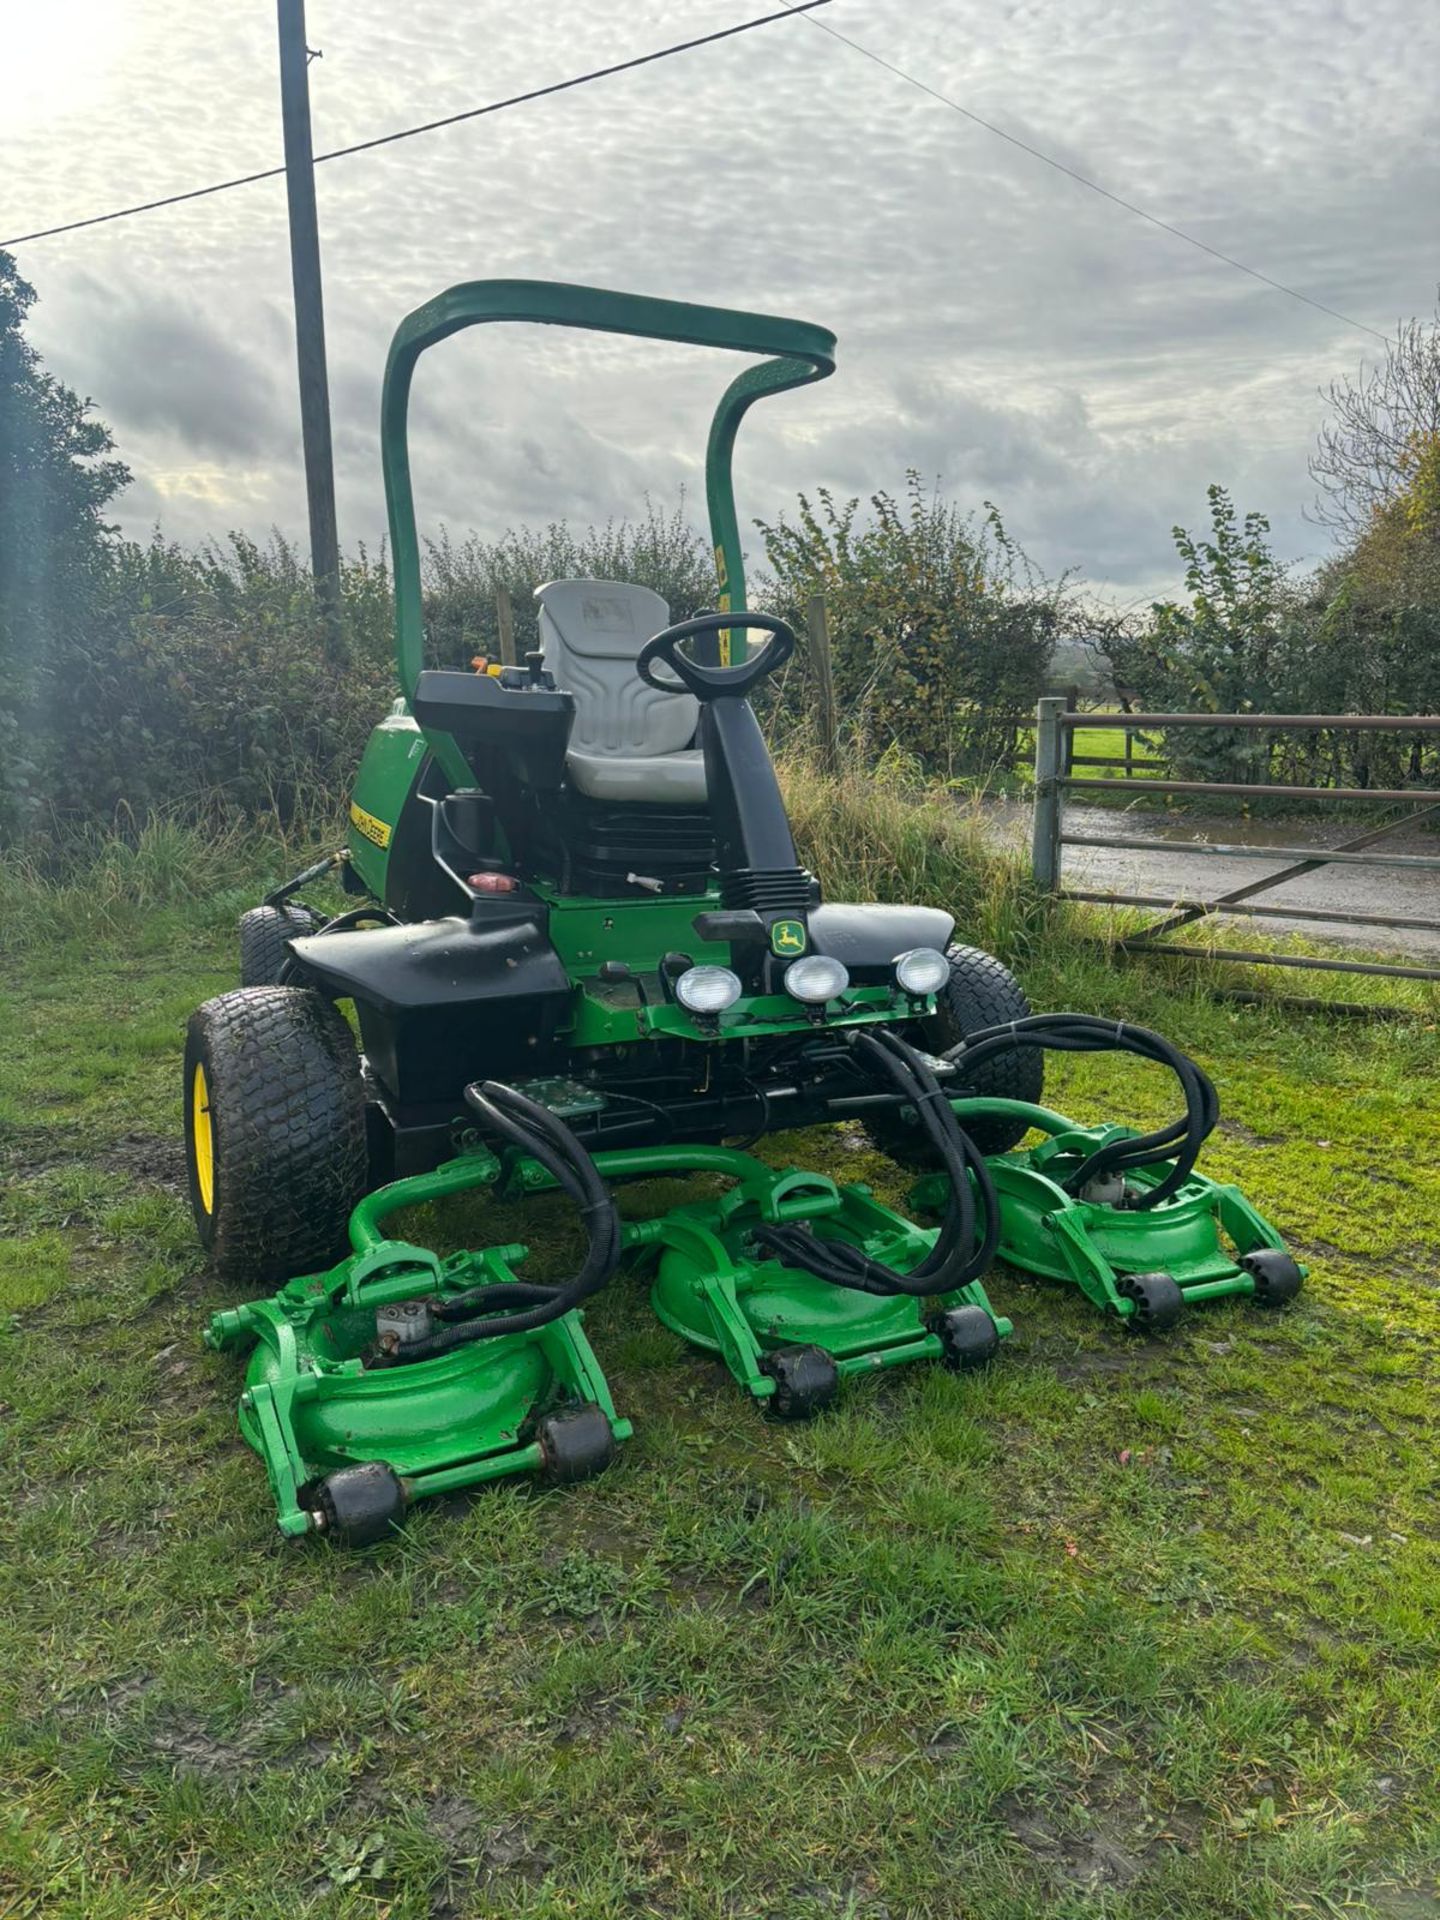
x=56, y=479
x=1235, y=647
x=1378, y=630
x=1381, y=422
x=941, y=630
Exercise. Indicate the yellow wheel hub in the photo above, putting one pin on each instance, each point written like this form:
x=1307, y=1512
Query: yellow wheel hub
x=203, y=1135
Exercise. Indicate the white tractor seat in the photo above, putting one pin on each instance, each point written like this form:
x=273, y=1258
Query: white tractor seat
x=628, y=743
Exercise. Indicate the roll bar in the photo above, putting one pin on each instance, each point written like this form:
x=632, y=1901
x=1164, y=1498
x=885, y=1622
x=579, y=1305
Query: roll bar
x=798, y=353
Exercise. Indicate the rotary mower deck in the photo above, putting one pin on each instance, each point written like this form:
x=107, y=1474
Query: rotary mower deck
x=1144, y=1264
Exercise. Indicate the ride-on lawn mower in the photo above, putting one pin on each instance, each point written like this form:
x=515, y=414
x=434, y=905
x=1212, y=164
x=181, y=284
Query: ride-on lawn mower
x=586, y=952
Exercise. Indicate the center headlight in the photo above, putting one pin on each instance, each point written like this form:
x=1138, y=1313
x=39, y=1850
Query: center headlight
x=815, y=979
x=707, y=989
x=922, y=970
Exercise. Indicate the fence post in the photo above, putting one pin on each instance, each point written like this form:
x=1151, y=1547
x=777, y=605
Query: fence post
x=1049, y=760
x=505, y=620
x=826, y=722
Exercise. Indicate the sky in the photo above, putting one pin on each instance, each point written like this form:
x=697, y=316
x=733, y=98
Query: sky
x=1009, y=334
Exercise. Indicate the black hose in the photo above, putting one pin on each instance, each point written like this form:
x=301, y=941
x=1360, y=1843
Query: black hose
x=1180, y=1142
x=957, y=1257
x=473, y=1315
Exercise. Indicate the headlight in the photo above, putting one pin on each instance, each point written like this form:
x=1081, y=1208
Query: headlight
x=707, y=989
x=815, y=979
x=922, y=970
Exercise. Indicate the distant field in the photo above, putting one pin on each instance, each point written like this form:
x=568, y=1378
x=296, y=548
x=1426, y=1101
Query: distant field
x=1098, y=743
x=1109, y=743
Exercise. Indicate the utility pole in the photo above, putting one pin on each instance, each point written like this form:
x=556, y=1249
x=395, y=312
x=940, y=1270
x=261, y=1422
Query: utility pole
x=309, y=311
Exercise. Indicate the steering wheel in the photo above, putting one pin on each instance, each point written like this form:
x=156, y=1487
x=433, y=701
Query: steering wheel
x=715, y=683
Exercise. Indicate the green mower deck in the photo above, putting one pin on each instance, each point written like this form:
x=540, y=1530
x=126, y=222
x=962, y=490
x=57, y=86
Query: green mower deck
x=786, y=1336
x=1143, y=1264
x=318, y=1415
x=328, y=1421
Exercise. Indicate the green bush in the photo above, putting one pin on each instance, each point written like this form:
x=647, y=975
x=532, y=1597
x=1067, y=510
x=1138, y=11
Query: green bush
x=661, y=551
x=941, y=631
x=206, y=683
x=55, y=482
x=1362, y=636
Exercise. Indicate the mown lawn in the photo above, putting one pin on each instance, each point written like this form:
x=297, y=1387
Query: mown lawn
x=1121, y=1629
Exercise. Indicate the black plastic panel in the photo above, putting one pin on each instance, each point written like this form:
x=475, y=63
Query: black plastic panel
x=869, y=936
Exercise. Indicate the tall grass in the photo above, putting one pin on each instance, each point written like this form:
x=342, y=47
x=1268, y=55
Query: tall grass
x=868, y=836
x=883, y=836
x=113, y=887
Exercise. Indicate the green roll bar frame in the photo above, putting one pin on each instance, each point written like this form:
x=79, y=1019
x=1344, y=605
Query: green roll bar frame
x=798, y=353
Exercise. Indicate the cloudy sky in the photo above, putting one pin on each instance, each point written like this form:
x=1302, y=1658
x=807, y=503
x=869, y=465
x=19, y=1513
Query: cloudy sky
x=1000, y=327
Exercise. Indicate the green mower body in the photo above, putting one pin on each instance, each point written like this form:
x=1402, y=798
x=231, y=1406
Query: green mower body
x=789, y=1337
x=1144, y=1264
x=327, y=1394
x=585, y=952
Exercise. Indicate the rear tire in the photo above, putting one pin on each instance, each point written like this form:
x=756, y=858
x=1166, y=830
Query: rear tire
x=264, y=932
x=274, y=1132
x=981, y=992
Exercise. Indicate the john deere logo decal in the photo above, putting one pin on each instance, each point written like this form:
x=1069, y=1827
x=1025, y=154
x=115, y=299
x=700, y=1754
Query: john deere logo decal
x=787, y=936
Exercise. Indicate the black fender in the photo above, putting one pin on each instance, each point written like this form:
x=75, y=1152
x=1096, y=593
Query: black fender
x=443, y=1002
x=868, y=937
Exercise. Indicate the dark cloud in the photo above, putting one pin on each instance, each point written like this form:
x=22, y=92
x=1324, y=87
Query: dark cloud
x=172, y=370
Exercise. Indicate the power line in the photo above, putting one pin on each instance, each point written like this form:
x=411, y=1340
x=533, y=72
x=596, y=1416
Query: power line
x=429, y=126
x=1083, y=180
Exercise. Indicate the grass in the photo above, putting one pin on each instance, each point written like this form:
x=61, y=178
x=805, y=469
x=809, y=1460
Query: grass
x=1097, y=743
x=1120, y=1629
x=1109, y=743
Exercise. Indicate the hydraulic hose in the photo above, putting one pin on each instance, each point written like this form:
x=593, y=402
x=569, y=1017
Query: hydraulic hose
x=957, y=1256
x=1180, y=1142
x=485, y=1313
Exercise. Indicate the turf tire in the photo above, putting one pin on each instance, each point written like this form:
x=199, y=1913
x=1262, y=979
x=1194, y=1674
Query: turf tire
x=981, y=992
x=287, y=1125
x=264, y=932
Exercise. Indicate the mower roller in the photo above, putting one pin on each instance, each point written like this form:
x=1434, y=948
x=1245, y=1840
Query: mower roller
x=584, y=953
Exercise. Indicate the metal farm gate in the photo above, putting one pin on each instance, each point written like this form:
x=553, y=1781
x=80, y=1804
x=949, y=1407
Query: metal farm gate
x=1055, y=759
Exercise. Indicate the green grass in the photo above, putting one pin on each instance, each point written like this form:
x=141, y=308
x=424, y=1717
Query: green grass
x=1109, y=743
x=1097, y=743
x=1125, y=1630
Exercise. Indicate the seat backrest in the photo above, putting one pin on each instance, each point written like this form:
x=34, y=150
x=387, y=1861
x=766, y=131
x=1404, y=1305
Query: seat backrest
x=590, y=633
